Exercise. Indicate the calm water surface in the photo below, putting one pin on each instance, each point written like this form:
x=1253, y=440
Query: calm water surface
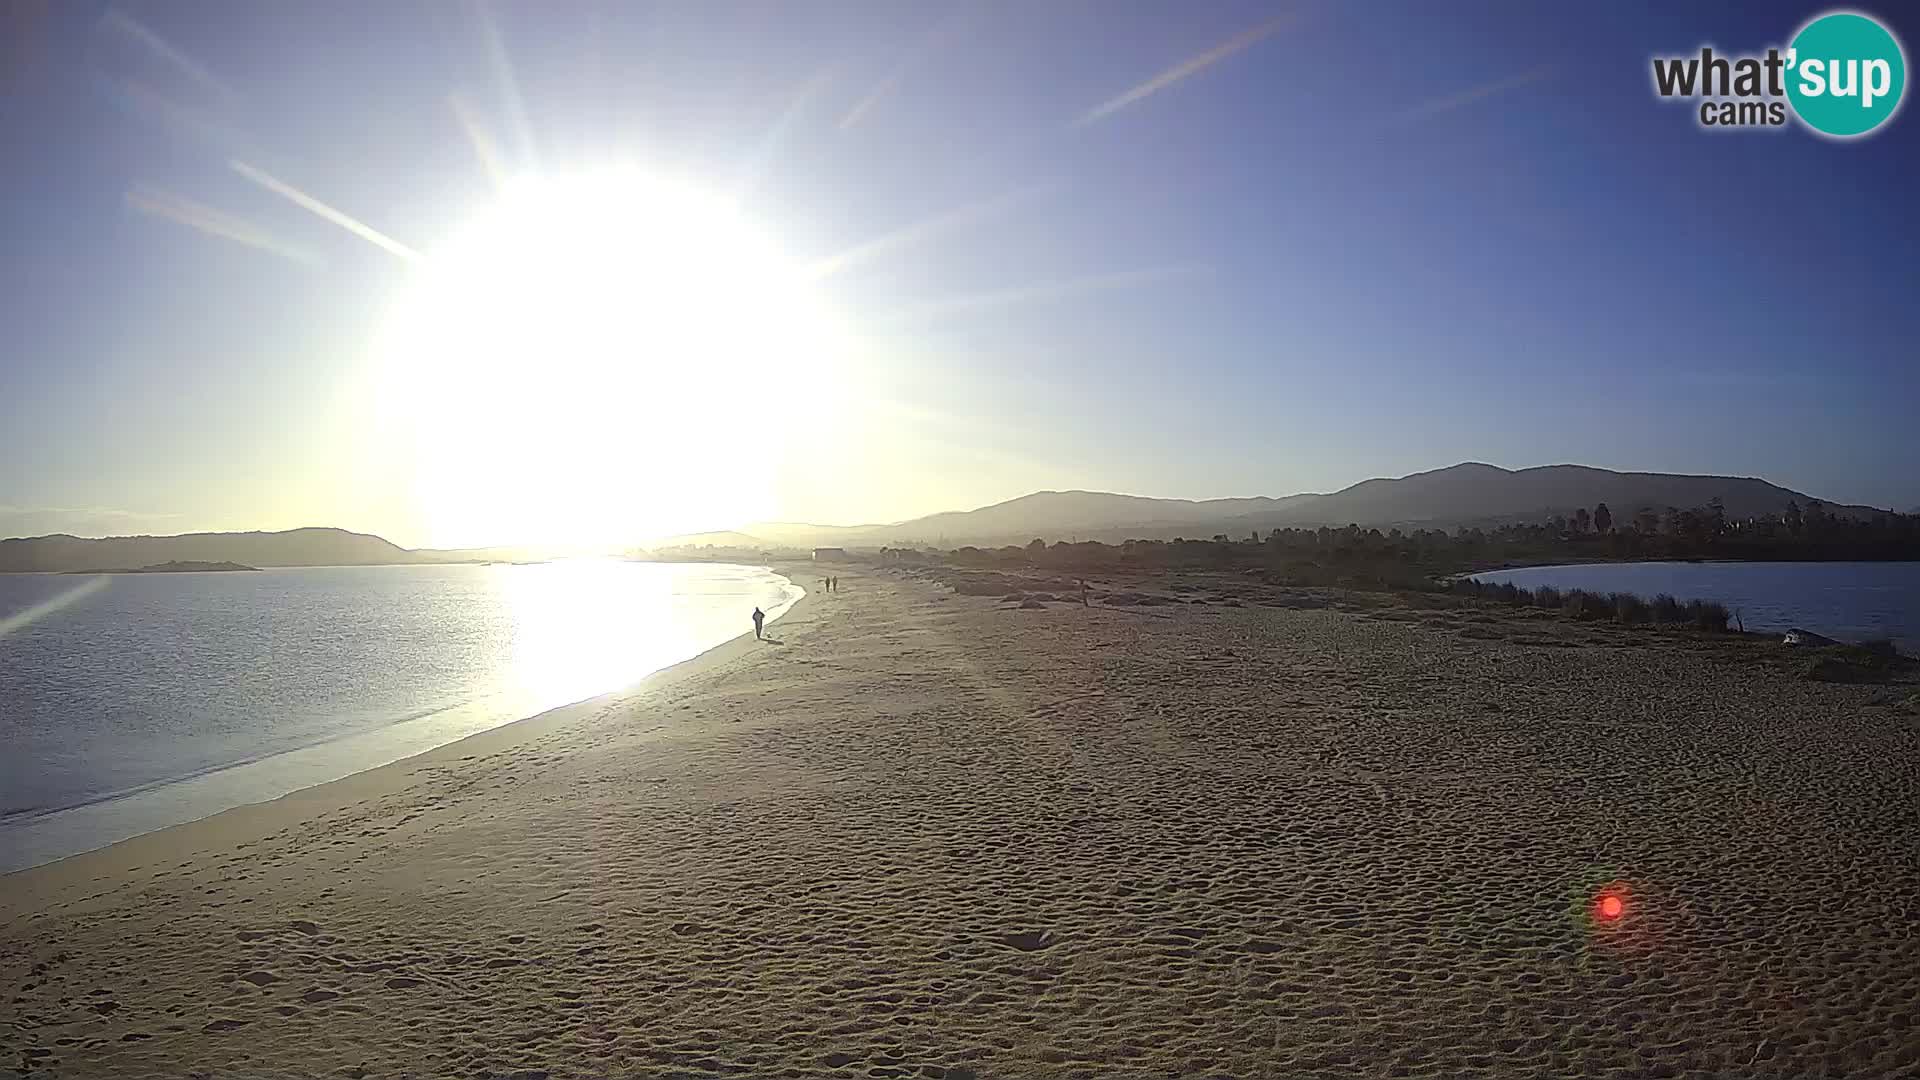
x=1846, y=600
x=132, y=702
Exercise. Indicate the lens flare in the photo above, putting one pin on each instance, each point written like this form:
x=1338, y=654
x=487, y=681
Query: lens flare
x=1609, y=905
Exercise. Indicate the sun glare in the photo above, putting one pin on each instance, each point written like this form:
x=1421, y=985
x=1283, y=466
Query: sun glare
x=598, y=359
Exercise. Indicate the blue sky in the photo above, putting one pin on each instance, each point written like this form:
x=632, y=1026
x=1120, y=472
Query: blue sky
x=1378, y=239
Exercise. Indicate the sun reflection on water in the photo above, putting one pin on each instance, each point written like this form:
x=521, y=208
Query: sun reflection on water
x=582, y=627
x=588, y=626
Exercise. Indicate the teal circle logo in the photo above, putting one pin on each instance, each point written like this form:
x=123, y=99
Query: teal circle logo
x=1846, y=74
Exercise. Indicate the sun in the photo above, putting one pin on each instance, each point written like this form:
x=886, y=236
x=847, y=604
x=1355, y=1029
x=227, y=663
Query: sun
x=598, y=359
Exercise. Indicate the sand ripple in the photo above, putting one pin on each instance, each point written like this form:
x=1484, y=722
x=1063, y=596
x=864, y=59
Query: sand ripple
x=929, y=836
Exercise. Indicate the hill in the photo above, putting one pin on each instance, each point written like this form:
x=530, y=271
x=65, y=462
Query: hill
x=178, y=568
x=721, y=539
x=1467, y=494
x=295, y=547
x=1471, y=493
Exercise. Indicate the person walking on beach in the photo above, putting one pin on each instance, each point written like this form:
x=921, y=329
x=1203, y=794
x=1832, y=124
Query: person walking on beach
x=758, y=618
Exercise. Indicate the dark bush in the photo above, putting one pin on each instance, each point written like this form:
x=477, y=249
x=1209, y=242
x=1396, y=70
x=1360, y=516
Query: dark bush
x=1587, y=606
x=1630, y=609
x=1708, y=614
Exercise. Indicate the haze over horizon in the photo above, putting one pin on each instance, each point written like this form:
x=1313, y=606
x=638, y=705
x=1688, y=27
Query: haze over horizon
x=1466, y=493
x=484, y=275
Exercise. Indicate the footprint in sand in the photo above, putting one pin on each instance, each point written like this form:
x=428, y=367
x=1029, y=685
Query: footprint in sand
x=1028, y=941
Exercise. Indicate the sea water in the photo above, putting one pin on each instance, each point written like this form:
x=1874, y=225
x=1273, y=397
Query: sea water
x=135, y=701
x=1850, y=601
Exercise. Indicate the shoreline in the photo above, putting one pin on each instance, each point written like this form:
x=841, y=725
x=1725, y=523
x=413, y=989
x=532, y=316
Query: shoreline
x=228, y=824
x=1249, y=833
x=1775, y=609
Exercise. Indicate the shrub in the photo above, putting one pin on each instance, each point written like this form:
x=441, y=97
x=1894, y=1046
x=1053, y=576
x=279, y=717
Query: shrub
x=1668, y=610
x=1630, y=609
x=1708, y=614
x=1583, y=605
x=1588, y=606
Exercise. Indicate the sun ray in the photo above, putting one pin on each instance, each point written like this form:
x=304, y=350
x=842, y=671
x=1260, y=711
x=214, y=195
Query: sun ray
x=779, y=132
x=118, y=20
x=28, y=616
x=142, y=100
x=906, y=236
x=881, y=89
x=1186, y=69
x=941, y=33
x=307, y=202
x=1047, y=290
x=484, y=146
x=1473, y=94
x=509, y=83
x=213, y=222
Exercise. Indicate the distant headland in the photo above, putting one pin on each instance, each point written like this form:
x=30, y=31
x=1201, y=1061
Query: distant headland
x=176, y=567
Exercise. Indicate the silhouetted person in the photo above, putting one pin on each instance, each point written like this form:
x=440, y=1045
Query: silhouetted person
x=758, y=618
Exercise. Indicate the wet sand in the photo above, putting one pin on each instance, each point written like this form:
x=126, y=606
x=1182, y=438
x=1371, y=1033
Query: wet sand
x=934, y=835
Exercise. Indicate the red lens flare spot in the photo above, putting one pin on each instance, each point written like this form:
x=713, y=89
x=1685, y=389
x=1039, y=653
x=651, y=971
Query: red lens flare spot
x=1609, y=906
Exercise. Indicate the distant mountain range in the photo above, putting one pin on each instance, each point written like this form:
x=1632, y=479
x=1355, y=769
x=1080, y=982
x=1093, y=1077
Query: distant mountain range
x=1467, y=494
x=297, y=547
x=61, y=553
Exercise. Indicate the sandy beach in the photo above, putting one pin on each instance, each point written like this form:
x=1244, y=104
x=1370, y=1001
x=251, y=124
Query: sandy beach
x=943, y=836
